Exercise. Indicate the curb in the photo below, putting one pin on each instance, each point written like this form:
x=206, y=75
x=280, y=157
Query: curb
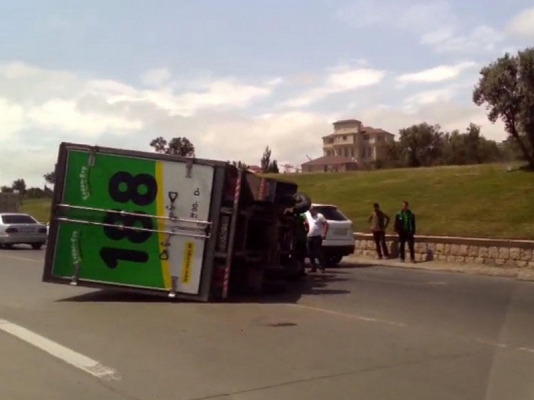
x=520, y=274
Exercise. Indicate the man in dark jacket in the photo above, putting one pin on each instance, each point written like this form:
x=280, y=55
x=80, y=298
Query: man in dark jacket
x=301, y=242
x=379, y=222
x=405, y=228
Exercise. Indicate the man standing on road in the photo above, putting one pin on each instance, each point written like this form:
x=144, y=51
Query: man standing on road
x=379, y=222
x=301, y=241
x=405, y=228
x=317, y=230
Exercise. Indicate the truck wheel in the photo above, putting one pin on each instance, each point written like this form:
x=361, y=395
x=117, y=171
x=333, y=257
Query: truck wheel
x=334, y=260
x=302, y=203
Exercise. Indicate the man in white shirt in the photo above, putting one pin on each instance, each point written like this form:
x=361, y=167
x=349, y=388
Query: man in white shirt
x=317, y=230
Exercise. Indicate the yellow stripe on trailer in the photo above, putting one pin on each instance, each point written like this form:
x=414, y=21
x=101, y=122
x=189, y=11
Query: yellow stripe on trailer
x=189, y=254
x=165, y=270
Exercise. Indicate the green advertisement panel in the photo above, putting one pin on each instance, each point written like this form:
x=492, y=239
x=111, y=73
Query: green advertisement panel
x=93, y=237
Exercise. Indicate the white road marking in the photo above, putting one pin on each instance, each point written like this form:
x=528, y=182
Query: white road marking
x=24, y=259
x=350, y=316
x=501, y=345
x=527, y=349
x=63, y=353
x=437, y=283
x=506, y=346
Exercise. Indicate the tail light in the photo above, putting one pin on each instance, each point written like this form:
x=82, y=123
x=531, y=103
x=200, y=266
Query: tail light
x=42, y=230
x=12, y=230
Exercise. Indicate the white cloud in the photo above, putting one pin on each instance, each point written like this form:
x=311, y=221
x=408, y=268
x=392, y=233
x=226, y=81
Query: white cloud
x=39, y=108
x=481, y=38
x=274, y=82
x=59, y=23
x=426, y=97
x=64, y=115
x=436, y=74
x=156, y=77
x=342, y=80
x=434, y=22
x=449, y=114
x=418, y=17
x=224, y=93
x=523, y=24
x=11, y=119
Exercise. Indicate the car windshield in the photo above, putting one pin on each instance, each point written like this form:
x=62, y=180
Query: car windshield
x=18, y=219
x=330, y=213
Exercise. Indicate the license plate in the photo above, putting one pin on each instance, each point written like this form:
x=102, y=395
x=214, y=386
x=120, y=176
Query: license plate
x=339, y=232
x=27, y=231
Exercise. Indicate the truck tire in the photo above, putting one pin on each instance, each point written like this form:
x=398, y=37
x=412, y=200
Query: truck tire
x=302, y=203
x=335, y=259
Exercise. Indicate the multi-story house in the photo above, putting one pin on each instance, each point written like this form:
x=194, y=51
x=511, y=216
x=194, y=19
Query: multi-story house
x=351, y=146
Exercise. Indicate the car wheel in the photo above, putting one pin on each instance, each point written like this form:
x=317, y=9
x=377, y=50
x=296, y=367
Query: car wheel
x=37, y=246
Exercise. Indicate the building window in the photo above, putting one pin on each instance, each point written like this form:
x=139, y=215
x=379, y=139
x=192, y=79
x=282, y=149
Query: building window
x=366, y=137
x=344, y=137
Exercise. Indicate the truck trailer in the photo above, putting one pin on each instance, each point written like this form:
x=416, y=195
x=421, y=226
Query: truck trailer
x=170, y=226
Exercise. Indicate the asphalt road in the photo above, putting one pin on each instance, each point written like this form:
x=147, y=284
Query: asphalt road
x=366, y=332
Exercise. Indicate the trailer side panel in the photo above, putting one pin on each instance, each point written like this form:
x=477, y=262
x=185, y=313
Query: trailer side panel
x=128, y=220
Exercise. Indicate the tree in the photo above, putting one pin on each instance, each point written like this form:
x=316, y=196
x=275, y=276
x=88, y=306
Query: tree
x=268, y=166
x=6, y=189
x=178, y=146
x=50, y=177
x=511, y=150
x=506, y=88
x=20, y=185
x=265, y=160
x=35, y=193
x=239, y=164
x=273, y=168
x=421, y=145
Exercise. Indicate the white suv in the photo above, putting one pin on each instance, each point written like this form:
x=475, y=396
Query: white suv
x=339, y=241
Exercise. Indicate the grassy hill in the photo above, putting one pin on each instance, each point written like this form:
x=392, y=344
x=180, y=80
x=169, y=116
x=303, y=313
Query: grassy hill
x=474, y=201
x=39, y=208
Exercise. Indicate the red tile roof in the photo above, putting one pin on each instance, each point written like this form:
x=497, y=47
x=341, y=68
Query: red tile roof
x=347, y=121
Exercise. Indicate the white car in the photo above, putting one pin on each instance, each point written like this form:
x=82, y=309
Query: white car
x=339, y=241
x=19, y=228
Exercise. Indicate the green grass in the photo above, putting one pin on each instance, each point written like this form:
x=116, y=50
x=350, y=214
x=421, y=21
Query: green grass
x=38, y=208
x=474, y=201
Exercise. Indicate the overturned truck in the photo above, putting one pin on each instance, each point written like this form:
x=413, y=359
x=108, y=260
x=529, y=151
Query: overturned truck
x=165, y=225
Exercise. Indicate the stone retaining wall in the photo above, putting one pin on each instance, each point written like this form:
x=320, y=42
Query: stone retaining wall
x=508, y=253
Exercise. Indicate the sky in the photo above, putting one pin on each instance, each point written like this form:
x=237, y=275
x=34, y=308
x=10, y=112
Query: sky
x=235, y=76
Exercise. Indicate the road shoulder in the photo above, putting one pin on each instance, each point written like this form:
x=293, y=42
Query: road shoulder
x=522, y=274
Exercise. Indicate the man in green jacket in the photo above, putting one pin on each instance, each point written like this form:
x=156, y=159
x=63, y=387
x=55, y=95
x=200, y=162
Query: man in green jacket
x=405, y=228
